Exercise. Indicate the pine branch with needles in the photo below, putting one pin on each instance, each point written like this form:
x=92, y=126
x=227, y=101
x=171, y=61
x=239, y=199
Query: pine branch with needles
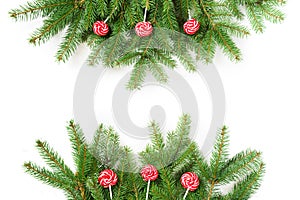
x=173, y=155
x=221, y=21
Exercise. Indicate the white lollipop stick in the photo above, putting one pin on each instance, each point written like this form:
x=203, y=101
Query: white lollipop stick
x=186, y=193
x=145, y=14
x=189, y=11
x=148, y=189
x=110, y=192
x=110, y=14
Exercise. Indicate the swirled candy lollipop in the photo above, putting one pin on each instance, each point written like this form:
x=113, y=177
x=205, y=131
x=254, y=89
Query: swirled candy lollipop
x=100, y=28
x=149, y=173
x=191, y=26
x=108, y=178
x=189, y=181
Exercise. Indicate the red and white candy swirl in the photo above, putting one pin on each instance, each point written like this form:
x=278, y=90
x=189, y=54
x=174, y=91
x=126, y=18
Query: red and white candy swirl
x=107, y=178
x=190, y=181
x=143, y=29
x=149, y=173
x=191, y=26
x=100, y=28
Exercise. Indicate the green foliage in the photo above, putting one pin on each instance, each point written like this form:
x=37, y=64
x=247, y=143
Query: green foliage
x=221, y=21
x=61, y=176
x=173, y=155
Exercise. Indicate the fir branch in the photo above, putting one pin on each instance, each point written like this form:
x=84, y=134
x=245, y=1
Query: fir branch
x=71, y=40
x=44, y=175
x=220, y=22
x=168, y=183
x=201, y=165
x=138, y=74
x=227, y=44
x=96, y=191
x=157, y=137
x=128, y=174
x=163, y=57
x=245, y=170
x=50, y=178
x=272, y=14
x=129, y=58
x=239, y=166
x=100, y=7
x=94, y=57
x=183, y=163
x=35, y=9
x=220, y=152
x=157, y=71
x=168, y=16
x=112, y=50
x=211, y=190
x=245, y=188
x=115, y=6
x=51, y=27
x=255, y=18
x=106, y=147
x=209, y=44
x=53, y=160
x=83, y=163
x=178, y=140
x=76, y=138
x=234, y=29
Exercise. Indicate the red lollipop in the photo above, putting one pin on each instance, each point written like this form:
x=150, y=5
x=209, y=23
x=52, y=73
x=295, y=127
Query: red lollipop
x=108, y=178
x=190, y=181
x=143, y=29
x=100, y=28
x=191, y=26
x=149, y=173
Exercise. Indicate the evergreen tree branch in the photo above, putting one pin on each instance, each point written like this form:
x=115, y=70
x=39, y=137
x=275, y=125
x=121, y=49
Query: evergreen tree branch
x=94, y=57
x=71, y=40
x=50, y=27
x=255, y=18
x=245, y=170
x=138, y=74
x=240, y=165
x=179, y=139
x=83, y=164
x=44, y=175
x=219, y=154
x=96, y=191
x=183, y=163
x=89, y=15
x=49, y=178
x=157, y=137
x=76, y=137
x=220, y=22
x=211, y=189
x=202, y=166
x=245, y=188
x=36, y=9
x=226, y=43
x=272, y=14
x=53, y=160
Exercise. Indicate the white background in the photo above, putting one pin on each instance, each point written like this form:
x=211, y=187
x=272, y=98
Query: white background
x=262, y=92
